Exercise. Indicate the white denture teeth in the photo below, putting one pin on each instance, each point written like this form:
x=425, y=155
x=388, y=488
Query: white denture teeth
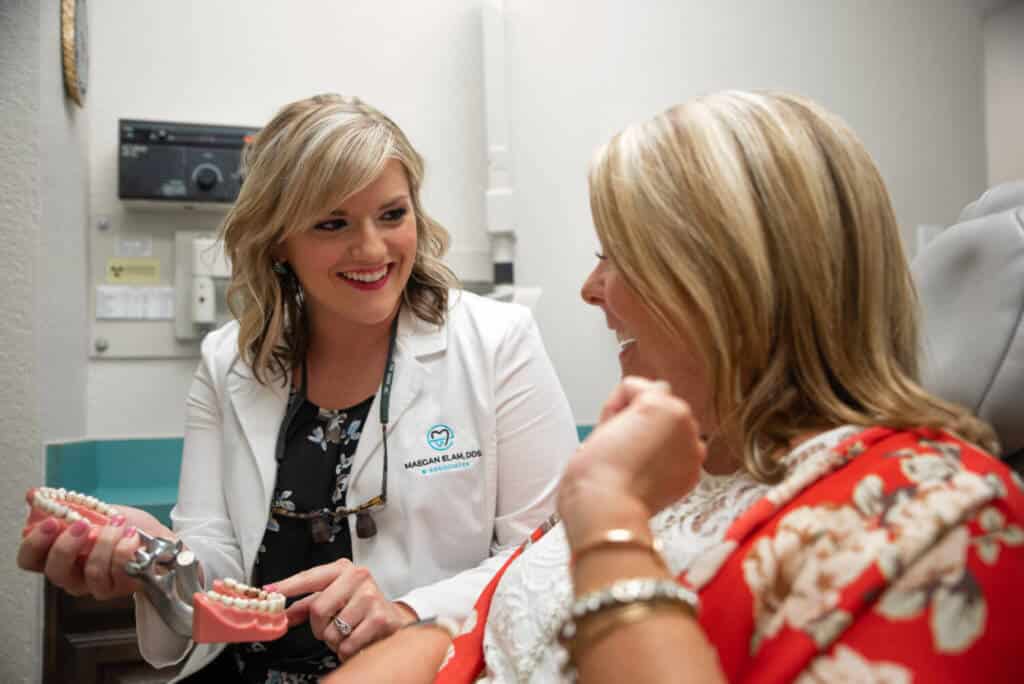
x=50, y=500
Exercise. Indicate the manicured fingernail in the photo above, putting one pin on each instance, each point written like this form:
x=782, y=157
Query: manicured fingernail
x=129, y=531
x=79, y=527
x=49, y=527
x=269, y=587
x=117, y=521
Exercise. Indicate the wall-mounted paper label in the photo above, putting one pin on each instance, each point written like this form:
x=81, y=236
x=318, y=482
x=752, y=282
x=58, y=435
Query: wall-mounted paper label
x=133, y=271
x=134, y=247
x=127, y=302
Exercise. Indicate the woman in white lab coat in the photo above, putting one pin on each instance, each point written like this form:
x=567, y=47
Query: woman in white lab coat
x=354, y=378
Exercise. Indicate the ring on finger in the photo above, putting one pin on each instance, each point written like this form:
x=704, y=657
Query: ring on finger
x=343, y=627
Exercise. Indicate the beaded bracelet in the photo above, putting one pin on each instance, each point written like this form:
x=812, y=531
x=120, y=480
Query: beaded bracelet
x=631, y=599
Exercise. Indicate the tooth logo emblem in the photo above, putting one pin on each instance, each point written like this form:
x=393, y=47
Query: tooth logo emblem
x=440, y=437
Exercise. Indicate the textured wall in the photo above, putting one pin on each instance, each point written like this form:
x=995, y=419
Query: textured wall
x=43, y=194
x=20, y=442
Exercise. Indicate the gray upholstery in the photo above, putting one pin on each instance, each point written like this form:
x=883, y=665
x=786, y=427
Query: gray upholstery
x=971, y=282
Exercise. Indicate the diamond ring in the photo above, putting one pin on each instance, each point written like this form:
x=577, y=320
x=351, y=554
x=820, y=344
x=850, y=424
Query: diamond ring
x=343, y=627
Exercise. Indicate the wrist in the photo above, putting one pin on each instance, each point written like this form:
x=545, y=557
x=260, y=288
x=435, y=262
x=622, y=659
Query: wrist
x=589, y=517
x=407, y=615
x=452, y=626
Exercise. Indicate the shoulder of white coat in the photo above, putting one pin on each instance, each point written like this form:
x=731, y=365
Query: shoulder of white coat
x=221, y=342
x=469, y=309
x=220, y=349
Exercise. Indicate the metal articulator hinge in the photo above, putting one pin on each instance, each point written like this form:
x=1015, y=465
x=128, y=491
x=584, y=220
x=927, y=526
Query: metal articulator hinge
x=170, y=576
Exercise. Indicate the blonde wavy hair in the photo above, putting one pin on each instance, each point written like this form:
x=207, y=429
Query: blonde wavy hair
x=312, y=156
x=757, y=225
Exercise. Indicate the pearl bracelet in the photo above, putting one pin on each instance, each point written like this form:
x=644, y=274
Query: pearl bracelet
x=629, y=600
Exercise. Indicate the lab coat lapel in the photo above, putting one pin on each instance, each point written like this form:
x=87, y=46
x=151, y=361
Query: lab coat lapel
x=260, y=410
x=416, y=338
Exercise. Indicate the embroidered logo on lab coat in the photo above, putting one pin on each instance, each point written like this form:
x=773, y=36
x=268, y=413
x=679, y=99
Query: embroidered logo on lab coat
x=444, y=463
x=440, y=437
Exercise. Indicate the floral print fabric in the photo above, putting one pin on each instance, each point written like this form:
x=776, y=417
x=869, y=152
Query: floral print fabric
x=894, y=557
x=313, y=475
x=892, y=566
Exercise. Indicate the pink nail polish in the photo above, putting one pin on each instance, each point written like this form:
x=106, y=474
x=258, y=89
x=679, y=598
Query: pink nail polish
x=49, y=527
x=117, y=521
x=79, y=527
x=129, y=531
x=269, y=587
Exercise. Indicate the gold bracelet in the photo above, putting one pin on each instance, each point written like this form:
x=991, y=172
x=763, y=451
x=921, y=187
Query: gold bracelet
x=588, y=635
x=618, y=538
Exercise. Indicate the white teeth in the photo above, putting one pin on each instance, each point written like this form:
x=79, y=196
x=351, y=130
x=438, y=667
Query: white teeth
x=48, y=498
x=253, y=598
x=366, y=276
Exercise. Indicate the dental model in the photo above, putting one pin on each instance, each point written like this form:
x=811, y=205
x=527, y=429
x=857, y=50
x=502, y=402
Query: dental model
x=230, y=612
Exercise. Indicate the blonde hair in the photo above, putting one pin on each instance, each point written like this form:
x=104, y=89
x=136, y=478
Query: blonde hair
x=312, y=156
x=757, y=226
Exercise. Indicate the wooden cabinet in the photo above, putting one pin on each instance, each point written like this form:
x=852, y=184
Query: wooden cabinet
x=93, y=642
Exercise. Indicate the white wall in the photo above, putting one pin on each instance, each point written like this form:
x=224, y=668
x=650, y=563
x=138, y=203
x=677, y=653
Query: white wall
x=906, y=76
x=236, y=62
x=1004, y=93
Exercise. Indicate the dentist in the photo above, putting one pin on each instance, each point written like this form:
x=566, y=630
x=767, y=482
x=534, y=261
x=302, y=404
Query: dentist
x=364, y=438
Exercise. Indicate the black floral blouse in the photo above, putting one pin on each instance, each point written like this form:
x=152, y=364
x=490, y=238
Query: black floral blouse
x=318, y=451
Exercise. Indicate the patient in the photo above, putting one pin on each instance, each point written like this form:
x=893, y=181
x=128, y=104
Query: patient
x=834, y=521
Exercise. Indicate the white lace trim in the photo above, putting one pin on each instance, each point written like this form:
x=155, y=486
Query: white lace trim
x=533, y=597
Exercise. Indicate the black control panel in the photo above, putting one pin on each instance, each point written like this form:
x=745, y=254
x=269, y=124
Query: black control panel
x=179, y=162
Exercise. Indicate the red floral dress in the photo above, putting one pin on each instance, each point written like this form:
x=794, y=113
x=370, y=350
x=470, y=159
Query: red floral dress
x=898, y=556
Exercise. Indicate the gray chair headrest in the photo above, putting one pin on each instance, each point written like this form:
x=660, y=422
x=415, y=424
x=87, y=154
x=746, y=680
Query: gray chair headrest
x=995, y=200
x=970, y=279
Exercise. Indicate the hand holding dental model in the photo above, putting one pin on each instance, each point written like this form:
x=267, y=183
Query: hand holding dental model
x=83, y=546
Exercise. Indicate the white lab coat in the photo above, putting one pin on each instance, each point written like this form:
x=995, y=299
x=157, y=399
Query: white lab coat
x=449, y=523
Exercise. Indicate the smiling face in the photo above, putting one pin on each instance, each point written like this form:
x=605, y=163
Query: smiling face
x=647, y=349
x=354, y=262
x=625, y=316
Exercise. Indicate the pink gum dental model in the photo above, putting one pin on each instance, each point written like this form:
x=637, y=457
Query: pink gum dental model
x=230, y=612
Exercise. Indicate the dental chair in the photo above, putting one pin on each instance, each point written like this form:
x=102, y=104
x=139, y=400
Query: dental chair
x=970, y=280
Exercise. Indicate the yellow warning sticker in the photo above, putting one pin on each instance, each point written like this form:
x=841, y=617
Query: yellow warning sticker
x=133, y=271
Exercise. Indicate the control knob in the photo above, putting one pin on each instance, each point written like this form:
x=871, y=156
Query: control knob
x=206, y=179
